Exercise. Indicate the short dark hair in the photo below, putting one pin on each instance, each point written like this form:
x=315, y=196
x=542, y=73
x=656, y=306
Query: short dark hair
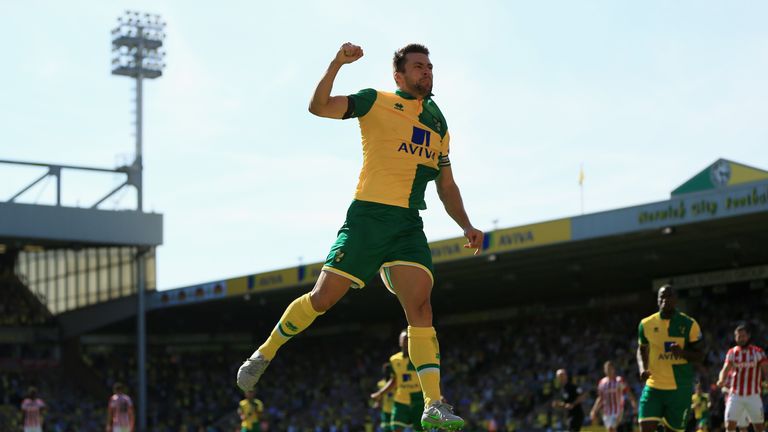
x=743, y=327
x=118, y=387
x=398, y=62
x=669, y=287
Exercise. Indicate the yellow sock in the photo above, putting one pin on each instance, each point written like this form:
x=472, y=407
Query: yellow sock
x=296, y=318
x=424, y=352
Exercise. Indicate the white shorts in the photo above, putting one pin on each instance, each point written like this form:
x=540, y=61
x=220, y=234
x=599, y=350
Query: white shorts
x=611, y=421
x=737, y=407
x=33, y=429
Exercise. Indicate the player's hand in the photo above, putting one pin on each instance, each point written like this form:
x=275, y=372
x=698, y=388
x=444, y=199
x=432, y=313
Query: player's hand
x=475, y=237
x=644, y=375
x=720, y=383
x=676, y=349
x=348, y=53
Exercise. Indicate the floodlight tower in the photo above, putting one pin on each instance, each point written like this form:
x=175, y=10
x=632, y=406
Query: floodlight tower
x=136, y=52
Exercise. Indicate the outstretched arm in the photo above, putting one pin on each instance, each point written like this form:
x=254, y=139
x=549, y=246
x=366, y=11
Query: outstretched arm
x=727, y=366
x=596, y=408
x=449, y=194
x=642, y=362
x=322, y=103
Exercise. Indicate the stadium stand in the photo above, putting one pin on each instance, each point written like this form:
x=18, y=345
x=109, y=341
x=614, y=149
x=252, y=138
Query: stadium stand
x=499, y=373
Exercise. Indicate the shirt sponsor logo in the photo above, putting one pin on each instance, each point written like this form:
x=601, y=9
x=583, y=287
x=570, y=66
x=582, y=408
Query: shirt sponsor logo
x=399, y=106
x=419, y=145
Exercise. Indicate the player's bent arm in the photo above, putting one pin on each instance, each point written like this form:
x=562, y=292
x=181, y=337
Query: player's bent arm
x=597, y=405
x=322, y=103
x=727, y=366
x=387, y=387
x=642, y=361
x=449, y=194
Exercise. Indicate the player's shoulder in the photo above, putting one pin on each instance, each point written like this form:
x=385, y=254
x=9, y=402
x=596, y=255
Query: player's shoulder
x=755, y=348
x=396, y=357
x=653, y=317
x=685, y=317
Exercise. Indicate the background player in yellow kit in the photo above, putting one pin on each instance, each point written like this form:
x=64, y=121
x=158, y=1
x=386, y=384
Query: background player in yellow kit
x=384, y=398
x=405, y=146
x=669, y=342
x=700, y=404
x=250, y=410
x=408, y=398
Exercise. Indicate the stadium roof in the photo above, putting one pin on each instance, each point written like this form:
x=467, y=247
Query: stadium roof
x=706, y=237
x=732, y=191
x=58, y=226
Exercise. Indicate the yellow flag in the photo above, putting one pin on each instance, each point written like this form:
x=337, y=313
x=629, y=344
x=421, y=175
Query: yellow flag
x=581, y=175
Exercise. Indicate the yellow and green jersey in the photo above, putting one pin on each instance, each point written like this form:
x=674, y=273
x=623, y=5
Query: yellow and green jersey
x=405, y=142
x=250, y=410
x=668, y=372
x=700, y=403
x=387, y=399
x=406, y=379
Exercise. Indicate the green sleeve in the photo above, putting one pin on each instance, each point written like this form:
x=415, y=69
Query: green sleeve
x=641, y=339
x=360, y=103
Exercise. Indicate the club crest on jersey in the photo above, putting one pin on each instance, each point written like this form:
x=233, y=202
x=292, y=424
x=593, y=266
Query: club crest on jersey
x=399, y=106
x=419, y=145
x=338, y=256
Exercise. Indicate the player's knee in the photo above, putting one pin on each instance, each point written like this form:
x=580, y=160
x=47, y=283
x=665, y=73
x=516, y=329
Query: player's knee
x=321, y=301
x=423, y=309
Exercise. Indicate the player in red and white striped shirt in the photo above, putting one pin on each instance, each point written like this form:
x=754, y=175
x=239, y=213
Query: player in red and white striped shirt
x=611, y=391
x=745, y=365
x=120, y=411
x=33, y=410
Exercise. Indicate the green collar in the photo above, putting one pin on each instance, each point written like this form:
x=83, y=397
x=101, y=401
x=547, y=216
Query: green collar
x=672, y=315
x=406, y=95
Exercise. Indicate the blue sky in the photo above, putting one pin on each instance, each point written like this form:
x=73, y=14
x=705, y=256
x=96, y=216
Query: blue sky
x=643, y=94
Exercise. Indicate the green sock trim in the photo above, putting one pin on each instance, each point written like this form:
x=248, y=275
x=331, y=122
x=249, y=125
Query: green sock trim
x=428, y=366
x=282, y=332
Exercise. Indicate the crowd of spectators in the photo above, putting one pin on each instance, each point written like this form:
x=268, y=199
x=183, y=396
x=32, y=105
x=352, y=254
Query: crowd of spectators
x=498, y=374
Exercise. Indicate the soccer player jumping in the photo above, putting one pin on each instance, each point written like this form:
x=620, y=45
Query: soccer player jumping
x=746, y=365
x=405, y=145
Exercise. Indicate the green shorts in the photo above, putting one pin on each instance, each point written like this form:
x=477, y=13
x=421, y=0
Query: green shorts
x=375, y=237
x=669, y=407
x=255, y=427
x=404, y=416
x=386, y=421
